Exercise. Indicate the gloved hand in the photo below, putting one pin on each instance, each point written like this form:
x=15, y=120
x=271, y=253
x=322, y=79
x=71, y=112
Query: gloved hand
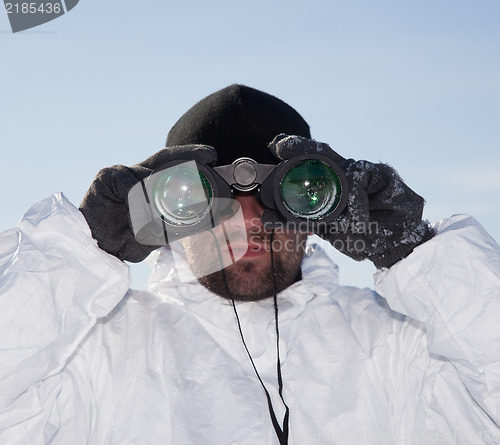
x=382, y=221
x=105, y=204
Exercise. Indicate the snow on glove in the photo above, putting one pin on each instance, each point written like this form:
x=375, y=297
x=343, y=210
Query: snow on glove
x=382, y=221
x=105, y=204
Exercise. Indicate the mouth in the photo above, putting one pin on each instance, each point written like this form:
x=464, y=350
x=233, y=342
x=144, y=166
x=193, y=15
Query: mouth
x=246, y=250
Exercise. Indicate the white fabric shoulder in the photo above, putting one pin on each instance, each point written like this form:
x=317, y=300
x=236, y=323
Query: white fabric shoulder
x=55, y=283
x=452, y=284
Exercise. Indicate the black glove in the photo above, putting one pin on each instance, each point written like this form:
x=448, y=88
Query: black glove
x=105, y=204
x=382, y=221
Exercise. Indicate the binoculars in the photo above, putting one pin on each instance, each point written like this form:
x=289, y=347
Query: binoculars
x=183, y=197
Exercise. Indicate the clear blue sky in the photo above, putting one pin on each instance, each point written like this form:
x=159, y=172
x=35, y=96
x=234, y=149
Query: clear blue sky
x=414, y=83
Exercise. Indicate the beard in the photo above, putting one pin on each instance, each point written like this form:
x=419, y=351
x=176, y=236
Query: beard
x=253, y=280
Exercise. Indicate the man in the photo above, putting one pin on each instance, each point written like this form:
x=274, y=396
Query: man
x=268, y=350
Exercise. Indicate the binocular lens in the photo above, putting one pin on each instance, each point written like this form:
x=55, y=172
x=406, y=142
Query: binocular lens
x=311, y=189
x=182, y=195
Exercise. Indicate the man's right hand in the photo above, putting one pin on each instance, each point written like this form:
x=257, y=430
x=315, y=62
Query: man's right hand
x=105, y=204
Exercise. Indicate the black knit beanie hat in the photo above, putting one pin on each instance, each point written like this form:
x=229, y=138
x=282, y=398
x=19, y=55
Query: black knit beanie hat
x=238, y=121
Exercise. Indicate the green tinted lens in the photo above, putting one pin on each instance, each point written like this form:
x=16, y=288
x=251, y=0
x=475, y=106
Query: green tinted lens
x=311, y=189
x=182, y=195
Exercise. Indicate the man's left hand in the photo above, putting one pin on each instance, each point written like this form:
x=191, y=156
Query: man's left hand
x=382, y=221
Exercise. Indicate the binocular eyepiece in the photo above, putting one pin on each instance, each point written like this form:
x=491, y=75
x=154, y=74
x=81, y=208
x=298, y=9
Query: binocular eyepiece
x=183, y=197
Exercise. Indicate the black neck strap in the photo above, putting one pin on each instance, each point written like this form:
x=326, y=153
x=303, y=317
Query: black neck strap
x=281, y=430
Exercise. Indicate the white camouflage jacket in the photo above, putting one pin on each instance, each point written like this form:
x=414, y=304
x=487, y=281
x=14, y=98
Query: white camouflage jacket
x=85, y=360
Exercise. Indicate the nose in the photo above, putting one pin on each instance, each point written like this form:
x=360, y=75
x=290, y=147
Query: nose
x=252, y=210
